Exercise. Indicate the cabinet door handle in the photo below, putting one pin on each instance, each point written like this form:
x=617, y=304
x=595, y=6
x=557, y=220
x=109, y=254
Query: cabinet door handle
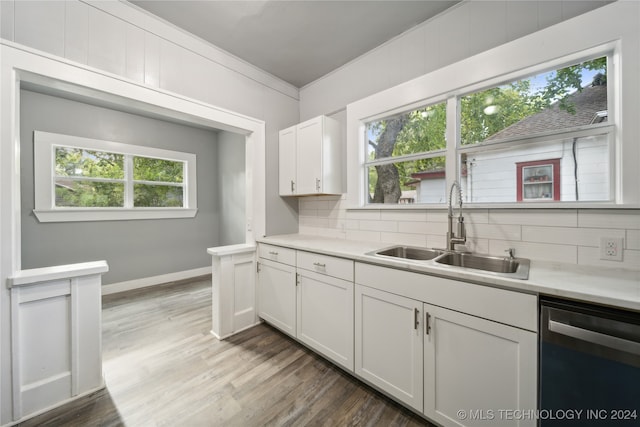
x=292, y=186
x=297, y=279
x=257, y=267
x=427, y=323
x=318, y=264
x=318, y=184
x=416, y=318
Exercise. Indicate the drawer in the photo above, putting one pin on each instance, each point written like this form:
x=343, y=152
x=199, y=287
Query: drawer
x=325, y=264
x=500, y=305
x=277, y=253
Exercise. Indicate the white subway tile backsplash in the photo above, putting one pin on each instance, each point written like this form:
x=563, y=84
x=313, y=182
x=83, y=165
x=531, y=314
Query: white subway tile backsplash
x=314, y=204
x=621, y=219
x=494, y=231
x=352, y=224
x=547, y=217
x=387, y=226
x=536, y=251
x=476, y=216
x=568, y=236
x=366, y=236
x=331, y=233
x=422, y=228
x=436, y=241
x=404, y=239
x=562, y=235
x=480, y=246
x=404, y=215
x=591, y=256
x=366, y=215
x=440, y=215
x=633, y=239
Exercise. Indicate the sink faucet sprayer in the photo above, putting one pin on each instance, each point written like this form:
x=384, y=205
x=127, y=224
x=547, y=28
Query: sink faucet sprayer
x=461, y=237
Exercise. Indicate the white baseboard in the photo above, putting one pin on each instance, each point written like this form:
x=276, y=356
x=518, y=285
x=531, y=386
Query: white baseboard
x=236, y=332
x=129, y=285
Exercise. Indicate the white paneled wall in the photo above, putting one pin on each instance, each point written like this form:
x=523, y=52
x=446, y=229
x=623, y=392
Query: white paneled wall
x=562, y=235
x=118, y=38
x=469, y=28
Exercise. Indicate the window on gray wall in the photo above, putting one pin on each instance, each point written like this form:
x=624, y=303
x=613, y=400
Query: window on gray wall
x=87, y=179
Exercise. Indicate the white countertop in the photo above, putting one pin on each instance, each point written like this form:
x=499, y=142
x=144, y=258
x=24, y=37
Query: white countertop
x=614, y=287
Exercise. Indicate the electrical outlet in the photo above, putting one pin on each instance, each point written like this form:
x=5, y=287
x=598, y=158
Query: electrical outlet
x=611, y=248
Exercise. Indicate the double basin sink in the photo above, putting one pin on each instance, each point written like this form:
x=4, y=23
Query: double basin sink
x=515, y=268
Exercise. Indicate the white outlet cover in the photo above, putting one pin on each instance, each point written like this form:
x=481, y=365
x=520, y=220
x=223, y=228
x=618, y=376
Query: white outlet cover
x=611, y=248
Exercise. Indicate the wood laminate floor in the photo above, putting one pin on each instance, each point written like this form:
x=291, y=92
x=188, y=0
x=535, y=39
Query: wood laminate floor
x=163, y=368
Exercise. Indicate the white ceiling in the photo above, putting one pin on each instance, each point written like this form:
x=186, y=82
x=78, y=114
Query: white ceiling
x=297, y=41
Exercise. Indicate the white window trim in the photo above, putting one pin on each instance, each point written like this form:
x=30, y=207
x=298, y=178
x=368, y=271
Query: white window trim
x=44, y=178
x=508, y=62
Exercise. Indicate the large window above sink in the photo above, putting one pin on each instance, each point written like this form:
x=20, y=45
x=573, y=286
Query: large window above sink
x=552, y=120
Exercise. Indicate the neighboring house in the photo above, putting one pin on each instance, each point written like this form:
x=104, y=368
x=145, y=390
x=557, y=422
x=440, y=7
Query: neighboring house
x=538, y=171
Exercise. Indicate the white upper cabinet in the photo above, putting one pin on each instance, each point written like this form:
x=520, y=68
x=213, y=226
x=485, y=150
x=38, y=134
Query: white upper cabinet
x=287, y=161
x=310, y=158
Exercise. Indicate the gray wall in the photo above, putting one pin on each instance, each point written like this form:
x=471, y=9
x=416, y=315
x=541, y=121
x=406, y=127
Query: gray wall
x=134, y=249
x=231, y=188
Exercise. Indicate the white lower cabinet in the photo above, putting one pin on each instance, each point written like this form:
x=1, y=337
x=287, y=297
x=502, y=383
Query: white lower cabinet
x=389, y=341
x=313, y=302
x=325, y=316
x=277, y=295
x=460, y=353
x=477, y=371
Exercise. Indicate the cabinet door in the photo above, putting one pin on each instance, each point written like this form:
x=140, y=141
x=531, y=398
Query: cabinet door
x=479, y=367
x=325, y=316
x=309, y=156
x=277, y=295
x=388, y=346
x=287, y=161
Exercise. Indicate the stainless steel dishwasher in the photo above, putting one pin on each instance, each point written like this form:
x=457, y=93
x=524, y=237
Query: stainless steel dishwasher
x=589, y=365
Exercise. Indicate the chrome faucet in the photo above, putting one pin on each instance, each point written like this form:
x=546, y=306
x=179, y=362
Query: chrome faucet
x=461, y=237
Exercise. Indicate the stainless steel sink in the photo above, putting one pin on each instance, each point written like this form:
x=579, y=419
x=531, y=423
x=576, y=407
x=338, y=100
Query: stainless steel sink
x=517, y=268
x=408, y=252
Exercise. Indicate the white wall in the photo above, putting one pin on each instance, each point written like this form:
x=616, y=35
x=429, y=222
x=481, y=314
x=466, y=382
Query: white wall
x=564, y=235
x=119, y=38
x=469, y=28
x=231, y=185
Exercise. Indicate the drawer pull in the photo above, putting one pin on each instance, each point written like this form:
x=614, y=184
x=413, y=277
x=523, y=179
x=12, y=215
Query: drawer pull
x=318, y=264
x=273, y=253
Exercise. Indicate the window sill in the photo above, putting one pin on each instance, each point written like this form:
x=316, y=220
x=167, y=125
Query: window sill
x=79, y=215
x=521, y=205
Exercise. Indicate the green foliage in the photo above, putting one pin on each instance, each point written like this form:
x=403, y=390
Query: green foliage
x=482, y=114
x=105, y=186
x=157, y=196
x=485, y=113
x=148, y=169
x=89, y=163
x=89, y=194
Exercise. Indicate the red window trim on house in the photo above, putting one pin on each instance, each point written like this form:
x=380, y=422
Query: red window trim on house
x=554, y=163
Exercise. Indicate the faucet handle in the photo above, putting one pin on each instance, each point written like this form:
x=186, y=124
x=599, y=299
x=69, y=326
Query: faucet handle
x=511, y=252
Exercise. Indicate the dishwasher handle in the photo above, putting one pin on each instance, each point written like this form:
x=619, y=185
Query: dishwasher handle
x=593, y=337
